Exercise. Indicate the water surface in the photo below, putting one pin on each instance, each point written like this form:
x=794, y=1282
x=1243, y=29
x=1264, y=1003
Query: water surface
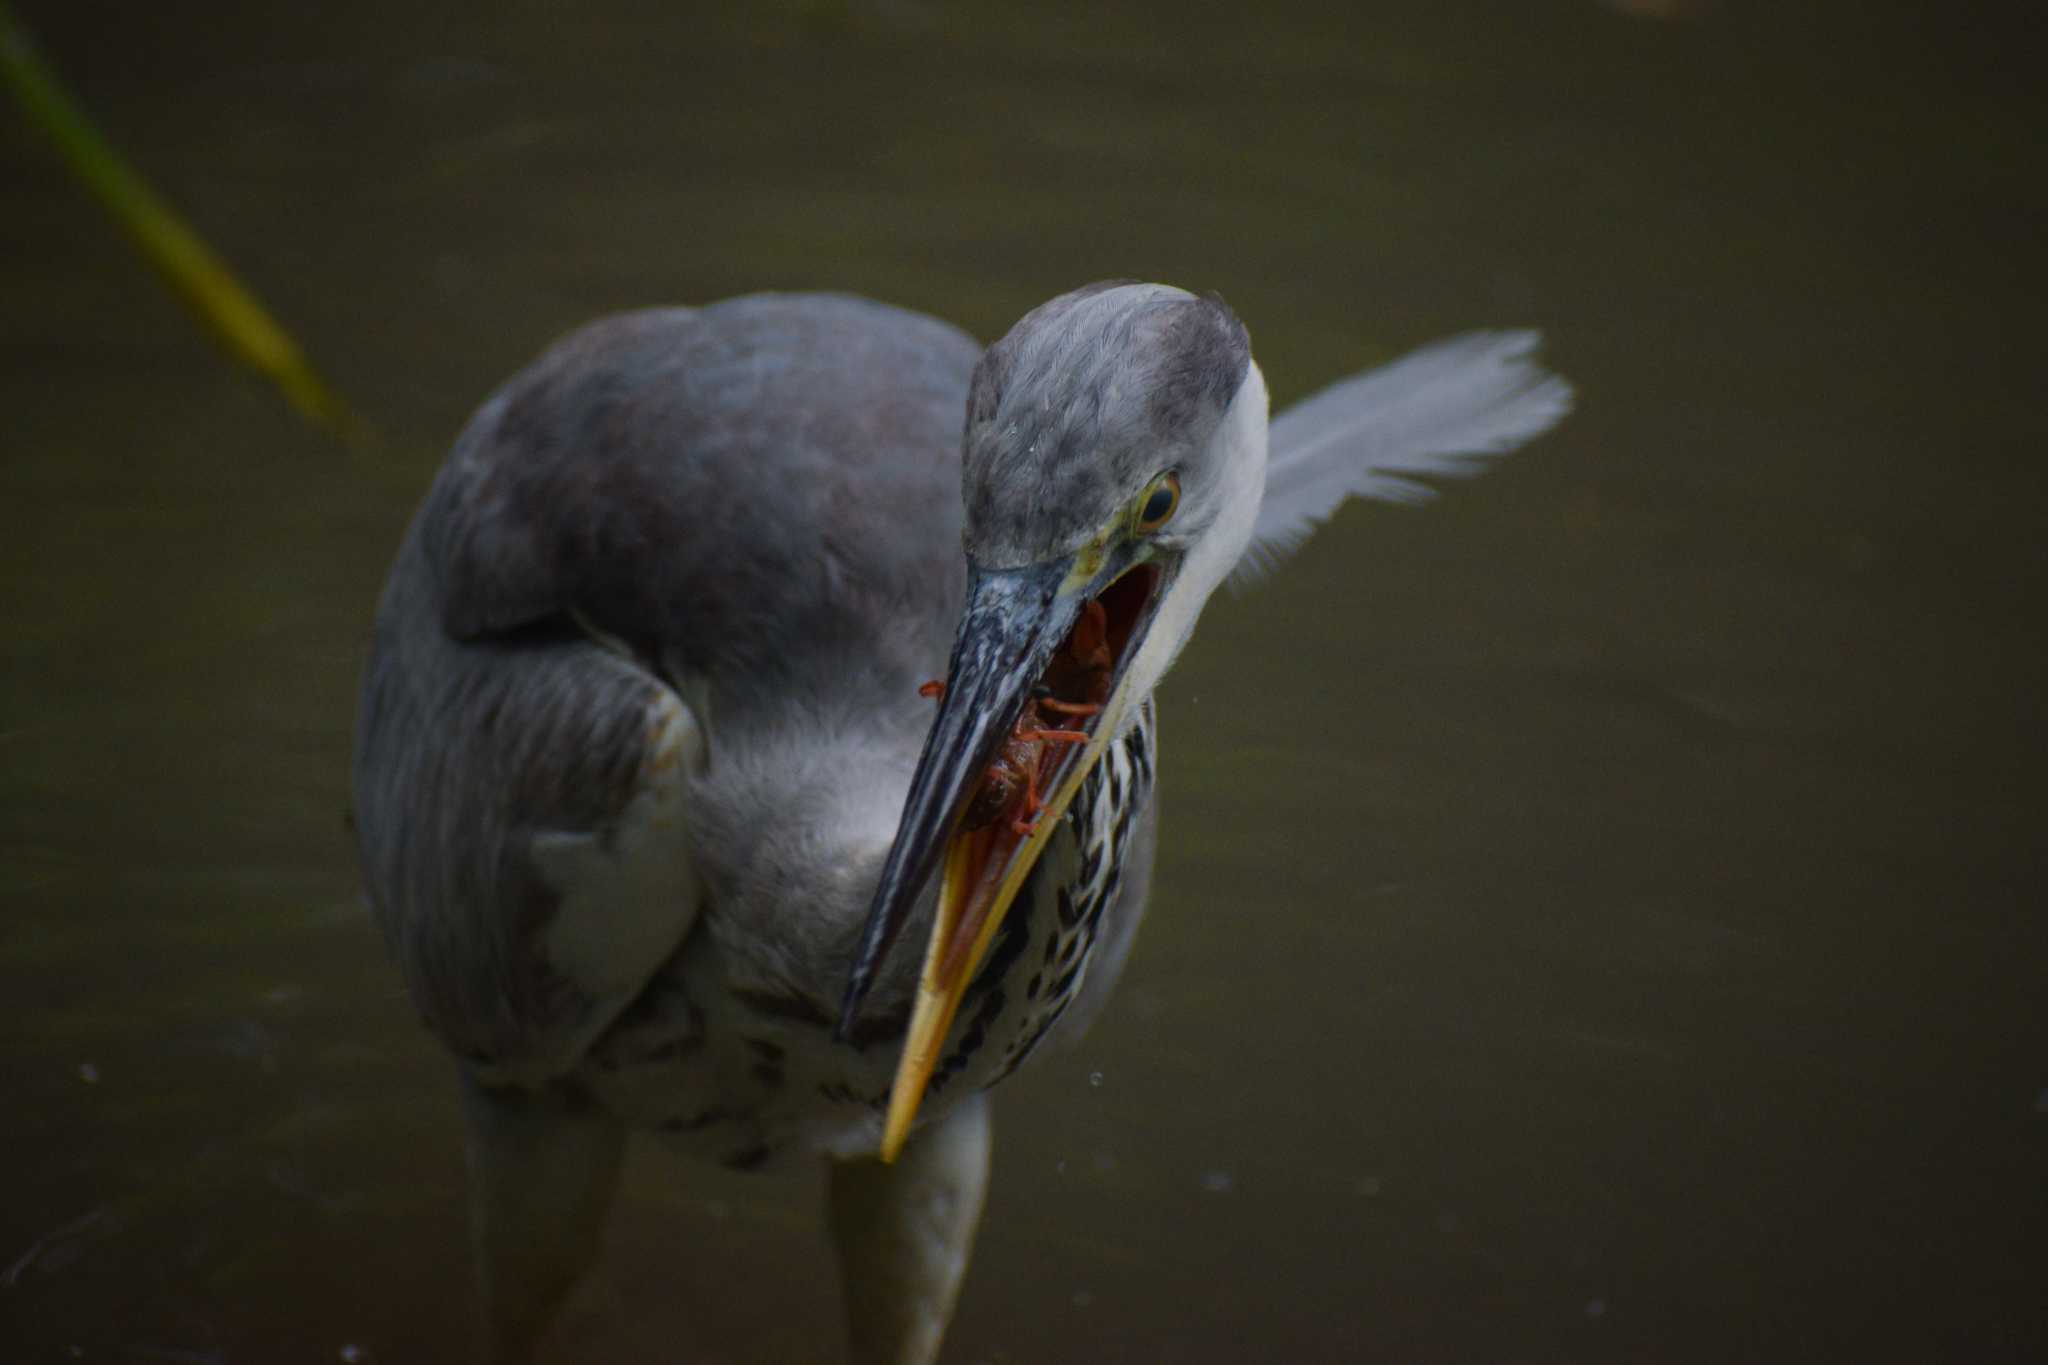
x=1600, y=915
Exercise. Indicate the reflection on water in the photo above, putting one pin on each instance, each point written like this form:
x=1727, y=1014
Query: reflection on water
x=1598, y=915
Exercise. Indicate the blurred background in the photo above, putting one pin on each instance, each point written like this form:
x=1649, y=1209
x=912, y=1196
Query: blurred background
x=1600, y=914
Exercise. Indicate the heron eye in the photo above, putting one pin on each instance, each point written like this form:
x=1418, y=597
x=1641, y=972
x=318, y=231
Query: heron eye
x=1160, y=504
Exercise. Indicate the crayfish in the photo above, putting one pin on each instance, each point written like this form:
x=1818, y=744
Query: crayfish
x=1074, y=686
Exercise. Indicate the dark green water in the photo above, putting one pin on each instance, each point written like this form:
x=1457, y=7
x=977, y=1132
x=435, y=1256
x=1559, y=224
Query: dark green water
x=1600, y=917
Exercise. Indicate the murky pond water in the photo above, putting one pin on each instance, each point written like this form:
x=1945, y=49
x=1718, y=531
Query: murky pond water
x=1600, y=915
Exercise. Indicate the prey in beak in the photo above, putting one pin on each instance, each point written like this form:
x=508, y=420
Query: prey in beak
x=1036, y=689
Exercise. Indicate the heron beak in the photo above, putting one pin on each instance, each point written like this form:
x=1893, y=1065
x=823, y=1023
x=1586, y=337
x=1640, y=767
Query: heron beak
x=1032, y=698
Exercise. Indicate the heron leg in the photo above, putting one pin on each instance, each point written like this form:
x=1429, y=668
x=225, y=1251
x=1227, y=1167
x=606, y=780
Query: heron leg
x=904, y=1231
x=542, y=1172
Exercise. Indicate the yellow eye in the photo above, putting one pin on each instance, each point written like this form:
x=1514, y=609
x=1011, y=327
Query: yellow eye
x=1160, y=503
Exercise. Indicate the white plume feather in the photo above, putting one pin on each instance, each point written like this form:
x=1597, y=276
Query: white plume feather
x=1445, y=410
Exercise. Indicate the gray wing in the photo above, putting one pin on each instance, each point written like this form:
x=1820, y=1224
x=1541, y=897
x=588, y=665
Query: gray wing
x=664, y=519
x=518, y=808
x=1444, y=411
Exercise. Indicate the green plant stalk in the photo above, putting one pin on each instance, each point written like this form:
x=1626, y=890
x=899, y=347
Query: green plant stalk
x=201, y=278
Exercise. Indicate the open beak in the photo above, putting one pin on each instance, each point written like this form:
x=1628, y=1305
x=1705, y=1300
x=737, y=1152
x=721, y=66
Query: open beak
x=1034, y=693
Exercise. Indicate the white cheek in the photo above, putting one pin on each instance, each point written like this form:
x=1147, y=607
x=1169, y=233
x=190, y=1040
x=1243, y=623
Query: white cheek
x=1242, y=463
x=1242, y=434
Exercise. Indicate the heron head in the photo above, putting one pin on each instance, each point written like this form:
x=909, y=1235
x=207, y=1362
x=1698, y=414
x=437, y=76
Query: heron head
x=1114, y=461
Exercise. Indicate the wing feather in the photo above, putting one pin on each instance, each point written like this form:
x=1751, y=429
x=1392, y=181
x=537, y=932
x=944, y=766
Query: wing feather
x=1444, y=411
x=521, y=809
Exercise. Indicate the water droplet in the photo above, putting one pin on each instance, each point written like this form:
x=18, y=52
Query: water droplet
x=1596, y=1308
x=1095, y=1078
x=1059, y=1168
x=1217, y=1182
x=1082, y=1298
x=88, y=1073
x=353, y=1354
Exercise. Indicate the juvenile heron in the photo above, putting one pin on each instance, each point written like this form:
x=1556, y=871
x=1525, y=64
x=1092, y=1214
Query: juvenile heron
x=683, y=701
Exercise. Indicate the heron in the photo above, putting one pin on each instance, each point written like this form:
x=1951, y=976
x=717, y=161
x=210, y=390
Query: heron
x=747, y=758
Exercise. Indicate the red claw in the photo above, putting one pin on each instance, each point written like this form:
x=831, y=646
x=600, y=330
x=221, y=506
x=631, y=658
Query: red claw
x=1054, y=736
x=1081, y=668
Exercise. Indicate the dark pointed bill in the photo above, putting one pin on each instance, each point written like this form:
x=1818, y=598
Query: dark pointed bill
x=1013, y=622
x=1030, y=638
